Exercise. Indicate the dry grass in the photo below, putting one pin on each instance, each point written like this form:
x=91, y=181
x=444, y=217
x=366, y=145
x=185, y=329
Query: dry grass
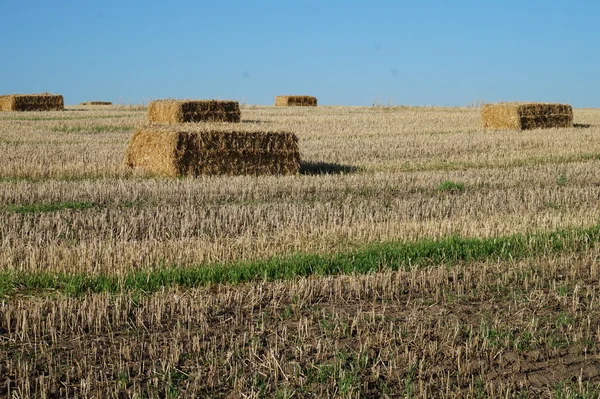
x=521, y=116
x=212, y=150
x=183, y=111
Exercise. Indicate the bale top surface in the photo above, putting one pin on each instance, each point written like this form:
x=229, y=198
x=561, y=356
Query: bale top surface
x=516, y=104
x=205, y=128
x=42, y=95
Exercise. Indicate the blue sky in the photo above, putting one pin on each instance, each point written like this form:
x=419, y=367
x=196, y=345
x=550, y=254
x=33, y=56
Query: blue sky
x=343, y=52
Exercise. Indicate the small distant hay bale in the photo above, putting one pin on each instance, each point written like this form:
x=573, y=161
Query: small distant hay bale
x=96, y=103
x=32, y=102
x=181, y=150
x=184, y=111
x=297, y=101
x=522, y=116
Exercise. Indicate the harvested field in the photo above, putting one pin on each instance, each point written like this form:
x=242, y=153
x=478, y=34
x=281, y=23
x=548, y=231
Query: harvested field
x=298, y=101
x=415, y=254
x=185, y=151
x=185, y=111
x=31, y=102
x=521, y=116
x=481, y=329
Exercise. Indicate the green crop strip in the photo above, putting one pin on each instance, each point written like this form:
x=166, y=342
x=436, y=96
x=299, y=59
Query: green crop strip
x=367, y=259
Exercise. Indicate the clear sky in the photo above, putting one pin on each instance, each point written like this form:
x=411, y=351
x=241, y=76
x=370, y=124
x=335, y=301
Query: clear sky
x=437, y=52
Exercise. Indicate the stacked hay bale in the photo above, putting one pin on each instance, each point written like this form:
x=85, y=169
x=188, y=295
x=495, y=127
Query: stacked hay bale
x=297, y=101
x=187, y=138
x=96, y=103
x=32, y=102
x=522, y=116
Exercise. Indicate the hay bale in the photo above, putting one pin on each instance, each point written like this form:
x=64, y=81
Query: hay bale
x=192, y=150
x=32, y=102
x=521, y=116
x=298, y=101
x=183, y=111
x=96, y=103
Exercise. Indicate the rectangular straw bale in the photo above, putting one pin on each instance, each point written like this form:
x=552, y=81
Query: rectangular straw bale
x=522, y=116
x=177, y=151
x=299, y=101
x=96, y=103
x=32, y=102
x=182, y=111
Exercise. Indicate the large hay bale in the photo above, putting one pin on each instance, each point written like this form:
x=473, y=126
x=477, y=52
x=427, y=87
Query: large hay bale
x=521, y=116
x=298, y=101
x=96, y=103
x=192, y=150
x=32, y=102
x=183, y=111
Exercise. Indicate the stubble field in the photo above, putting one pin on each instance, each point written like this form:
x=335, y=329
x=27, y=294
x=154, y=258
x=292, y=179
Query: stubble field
x=415, y=255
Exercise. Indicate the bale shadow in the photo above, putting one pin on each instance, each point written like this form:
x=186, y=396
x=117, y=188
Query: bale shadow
x=582, y=125
x=325, y=168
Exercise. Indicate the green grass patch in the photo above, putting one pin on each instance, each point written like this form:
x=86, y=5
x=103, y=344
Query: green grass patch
x=569, y=389
x=450, y=187
x=41, y=208
x=369, y=258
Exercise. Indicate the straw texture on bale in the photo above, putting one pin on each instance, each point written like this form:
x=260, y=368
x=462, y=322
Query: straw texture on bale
x=32, y=102
x=299, y=101
x=522, y=116
x=183, y=111
x=96, y=103
x=177, y=150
